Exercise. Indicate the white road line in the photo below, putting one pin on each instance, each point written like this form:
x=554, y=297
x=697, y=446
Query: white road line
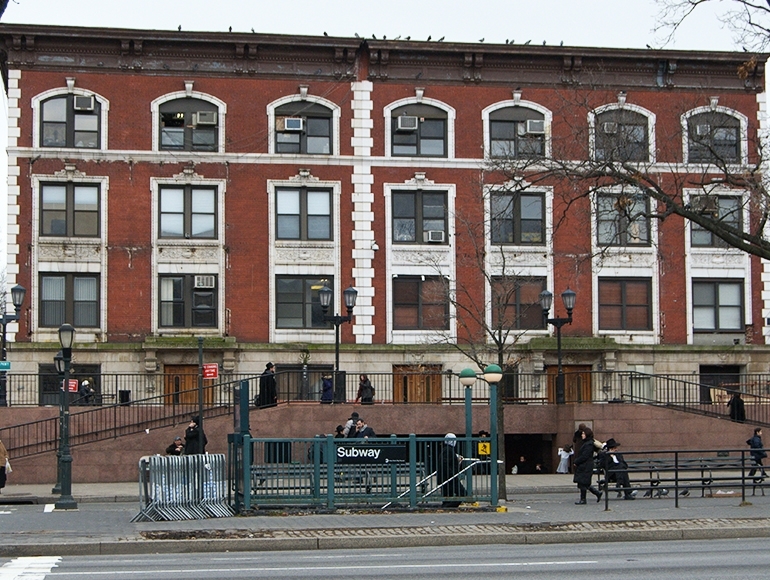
x=49, y=507
x=35, y=568
x=158, y=572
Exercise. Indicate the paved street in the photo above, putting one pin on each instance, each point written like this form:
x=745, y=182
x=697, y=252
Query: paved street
x=540, y=509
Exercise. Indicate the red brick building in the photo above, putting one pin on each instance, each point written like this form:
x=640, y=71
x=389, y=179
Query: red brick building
x=168, y=185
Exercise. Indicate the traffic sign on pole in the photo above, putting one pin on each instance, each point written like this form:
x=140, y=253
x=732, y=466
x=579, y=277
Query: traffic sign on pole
x=211, y=371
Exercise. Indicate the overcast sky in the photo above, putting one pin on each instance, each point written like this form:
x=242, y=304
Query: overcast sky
x=600, y=23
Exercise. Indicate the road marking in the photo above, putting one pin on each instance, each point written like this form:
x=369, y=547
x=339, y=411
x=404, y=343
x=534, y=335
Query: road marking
x=49, y=507
x=158, y=572
x=32, y=568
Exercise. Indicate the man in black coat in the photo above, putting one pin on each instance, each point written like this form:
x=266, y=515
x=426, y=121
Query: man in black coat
x=268, y=393
x=449, y=467
x=584, y=466
x=757, y=454
x=195, y=439
x=616, y=468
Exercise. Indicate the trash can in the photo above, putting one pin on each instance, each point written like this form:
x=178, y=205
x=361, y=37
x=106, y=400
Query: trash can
x=124, y=397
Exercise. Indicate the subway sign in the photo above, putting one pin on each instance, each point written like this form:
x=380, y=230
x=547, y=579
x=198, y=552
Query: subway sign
x=371, y=453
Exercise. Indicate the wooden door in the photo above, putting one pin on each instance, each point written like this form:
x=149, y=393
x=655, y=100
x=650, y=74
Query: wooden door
x=577, y=383
x=417, y=383
x=180, y=385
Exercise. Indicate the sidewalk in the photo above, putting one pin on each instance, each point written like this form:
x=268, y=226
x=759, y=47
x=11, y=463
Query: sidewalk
x=540, y=509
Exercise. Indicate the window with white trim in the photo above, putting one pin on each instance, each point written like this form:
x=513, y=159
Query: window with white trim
x=418, y=130
x=70, y=121
x=419, y=216
x=516, y=133
x=188, y=125
x=516, y=302
x=713, y=137
x=517, y=217
x=297, y=303
x=187, y=212
x=621, y=135
x=188, y=301
x=69, y=209
x=303, y=213
x=622, y=219
x=69, y=297
x=420, y=303
x=717, y=305
x=625, y=304
x=303, y=127
x=725, y=209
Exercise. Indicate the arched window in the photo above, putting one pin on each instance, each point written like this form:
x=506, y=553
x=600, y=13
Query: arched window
x=188, y=124
x=419, y=130
x=622, y=133
x=71, y=120
x=713, y=137
x=516, y=133
x=303, y=127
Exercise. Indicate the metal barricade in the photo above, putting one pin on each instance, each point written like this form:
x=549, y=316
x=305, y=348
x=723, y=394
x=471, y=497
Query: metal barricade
x=190, y=487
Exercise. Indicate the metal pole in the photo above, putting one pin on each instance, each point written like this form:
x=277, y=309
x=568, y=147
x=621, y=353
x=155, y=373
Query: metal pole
x=469, y=435
x=200, y=394
x=66, y=501
x=493, y=429
x=335, y=392
x=560, y=394
x=57, y=488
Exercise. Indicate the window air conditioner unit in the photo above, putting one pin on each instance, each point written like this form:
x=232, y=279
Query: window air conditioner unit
x=204, y=281
x=536, y=126
x=705, y=204
x=610, y=127
x=434, y=236
x=293, y=124
x=206, y=118
x=702, y=130
x=407, y=123
x=84, y=103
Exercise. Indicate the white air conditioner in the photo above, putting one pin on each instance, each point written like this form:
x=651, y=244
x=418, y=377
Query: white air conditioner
x=293, y=124
x=407, y=123
x=434, y=236
x=83, y=103
x=702, y=130
x=205, y=281
x=206, y=118
x=536, y=126
x=610, y=127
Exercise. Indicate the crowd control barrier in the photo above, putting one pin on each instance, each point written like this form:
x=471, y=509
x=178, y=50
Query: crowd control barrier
x=190, y=487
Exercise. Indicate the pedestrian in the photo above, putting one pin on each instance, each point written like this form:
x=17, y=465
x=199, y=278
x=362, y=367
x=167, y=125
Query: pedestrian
x=448, y=468
x=339, y=432
x=523, y=466
x=564, y=454
x=176, y=448
x=737, y=408
x=584, y=466
x=327, y=390
x=363, y=431
x=268, y=395
x=86, y=392
x=350, y=426
x=195, y=439
x=616, y=469
x=5, y=465
x=758, y=453
x=365, y=391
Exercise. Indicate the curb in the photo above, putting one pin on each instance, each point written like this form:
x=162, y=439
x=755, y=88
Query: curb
x=392, y=538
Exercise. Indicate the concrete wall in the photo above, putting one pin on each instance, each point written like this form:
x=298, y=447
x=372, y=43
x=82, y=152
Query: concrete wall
x=637, y=427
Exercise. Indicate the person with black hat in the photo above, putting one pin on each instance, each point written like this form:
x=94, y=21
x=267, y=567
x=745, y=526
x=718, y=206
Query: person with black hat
x=176, y=448
x=195, y=439
x=268, y=393
x=616, y=468
x=350, y=426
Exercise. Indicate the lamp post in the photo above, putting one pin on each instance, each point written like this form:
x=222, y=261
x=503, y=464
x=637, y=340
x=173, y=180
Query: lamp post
x=493, y=374
x=546, y=299
x=467, y=378
x=325, y=296
x=58, y=361
x=66, y=501
x=17, y=297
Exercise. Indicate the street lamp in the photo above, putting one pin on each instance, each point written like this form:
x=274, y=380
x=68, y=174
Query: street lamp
x=546, y=299
x=17, y=297
x=493, y=374
x=58, y=361
x=467, y=378
x=325, y=296
x=66, y=501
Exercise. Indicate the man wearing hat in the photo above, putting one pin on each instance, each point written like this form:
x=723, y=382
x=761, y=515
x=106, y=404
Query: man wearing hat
x=350, y=427
x=176, y=448
x=194, y=437
x=268, y=394
x=616, y=468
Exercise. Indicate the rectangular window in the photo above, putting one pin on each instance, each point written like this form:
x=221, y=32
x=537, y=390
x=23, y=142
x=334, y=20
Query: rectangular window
x=297, y=301
x=188, y=212
x=188, y=301
x=69, y=209
x=625, y=304
x=420, y=304
x=516, y=303
x=303, y=214
x=517, y=218
x=727, y=210
x=419, y=217
x=717, y=306
x=621, y=219
x=70, y=298
x=70, y=121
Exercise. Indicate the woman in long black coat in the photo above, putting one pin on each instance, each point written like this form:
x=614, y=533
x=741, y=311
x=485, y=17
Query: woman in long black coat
x=584, y=466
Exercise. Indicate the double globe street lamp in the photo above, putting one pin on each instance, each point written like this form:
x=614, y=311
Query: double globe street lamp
x=546, y=300
x=325, y=295
x=17, y=297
